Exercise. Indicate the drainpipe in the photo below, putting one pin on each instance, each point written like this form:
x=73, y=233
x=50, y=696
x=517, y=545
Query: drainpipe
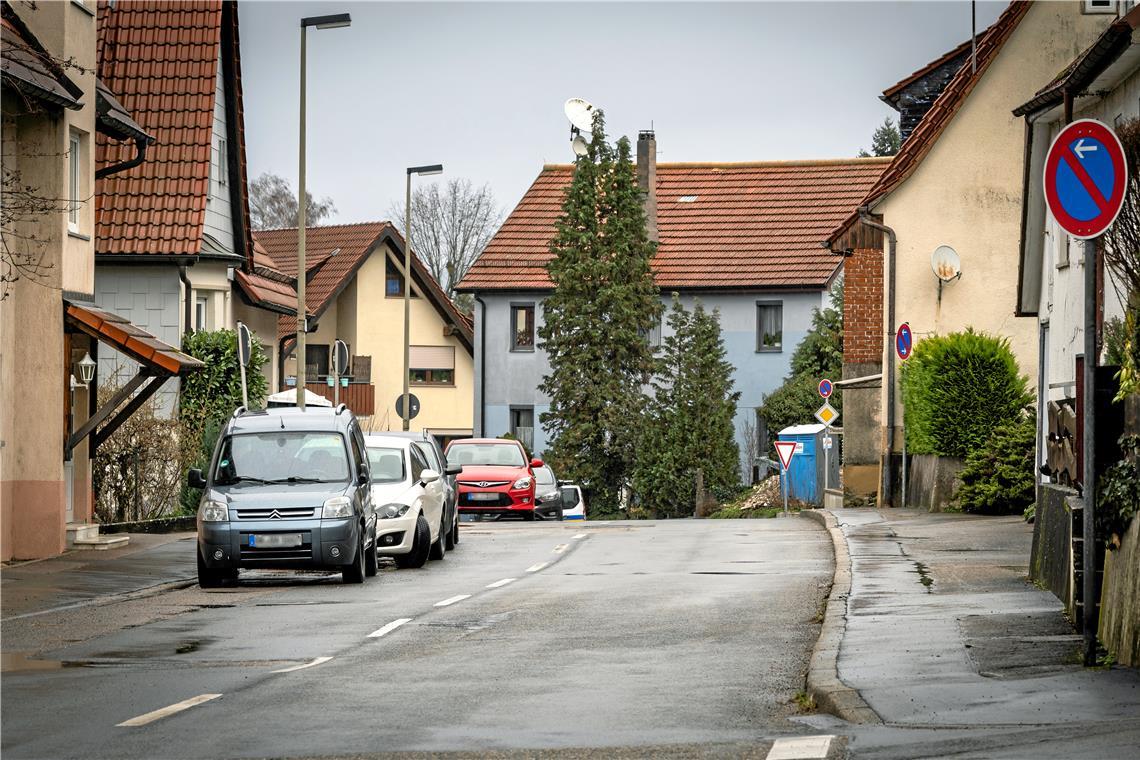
x=482, y=367
x=887, y=483
x=281, y=361
x=187, y=307
x=140, y=156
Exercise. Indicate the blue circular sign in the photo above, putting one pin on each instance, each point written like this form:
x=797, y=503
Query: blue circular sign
x=1085, y=178
x=825, y=388
x=904, y=342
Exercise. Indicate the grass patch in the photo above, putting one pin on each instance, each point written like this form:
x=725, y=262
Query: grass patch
x=804, y=701
x=730, y=513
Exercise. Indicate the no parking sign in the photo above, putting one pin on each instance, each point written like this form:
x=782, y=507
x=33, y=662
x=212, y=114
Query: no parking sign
x=1085, y=178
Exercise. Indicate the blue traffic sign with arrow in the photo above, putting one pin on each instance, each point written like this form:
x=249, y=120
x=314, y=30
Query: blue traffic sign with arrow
x=1085, y=178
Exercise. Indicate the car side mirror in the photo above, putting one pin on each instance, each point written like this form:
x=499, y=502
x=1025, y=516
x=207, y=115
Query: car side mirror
x=364, y=477
x=569, y=497
x=536, y=463
x=194, y=479
x=428, y=476
x=453, y=469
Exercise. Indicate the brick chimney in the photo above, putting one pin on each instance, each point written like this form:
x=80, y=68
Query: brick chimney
x=647, y=179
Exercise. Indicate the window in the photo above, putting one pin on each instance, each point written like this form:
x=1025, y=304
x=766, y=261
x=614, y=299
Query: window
x=429, y=456
x=431, y=365
x=653, y=334
x=73, y=156
x=769, y=325
x=522, y=327
x=386, y=464
x=394, y=281
x=522, y=426
x=281, y=455
x=419, y=464
x=201, y=309
x=223, y=162
x=1098, y=6
x=316, y=361
x=505, y=454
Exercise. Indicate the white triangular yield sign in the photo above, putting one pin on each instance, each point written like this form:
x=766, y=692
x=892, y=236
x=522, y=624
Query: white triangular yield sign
x=785, y=449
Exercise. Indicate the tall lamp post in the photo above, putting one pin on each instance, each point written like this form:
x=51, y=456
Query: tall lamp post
x=423, y=171
x=320, y=22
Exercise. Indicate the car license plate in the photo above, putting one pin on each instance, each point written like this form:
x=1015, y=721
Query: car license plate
x=274, y=540
x=483, y=496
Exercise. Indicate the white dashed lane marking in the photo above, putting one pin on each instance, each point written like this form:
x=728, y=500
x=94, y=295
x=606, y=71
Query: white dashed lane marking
x=317, y=661
x=178, y=707
x=452, y=600
x=388, y=628
x=800, y=748
x=580, y=535
x=503, y=582
x=536, y=568
x=561, y=548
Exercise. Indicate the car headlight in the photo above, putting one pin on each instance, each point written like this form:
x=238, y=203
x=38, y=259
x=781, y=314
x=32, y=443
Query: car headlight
x=522, y=483
x=390, y=511
x=337, y=506
x=553, y=496
x=214, y=511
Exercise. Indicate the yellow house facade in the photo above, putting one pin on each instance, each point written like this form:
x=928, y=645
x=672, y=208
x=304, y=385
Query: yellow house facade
x=354, y=292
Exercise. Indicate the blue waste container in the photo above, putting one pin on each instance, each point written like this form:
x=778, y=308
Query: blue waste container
x=805, y=475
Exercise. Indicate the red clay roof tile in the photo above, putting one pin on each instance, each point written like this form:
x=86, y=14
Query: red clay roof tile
x=740, y=225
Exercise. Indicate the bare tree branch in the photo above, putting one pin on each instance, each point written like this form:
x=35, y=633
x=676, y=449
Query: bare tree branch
x=451, y=225
x=273, y=204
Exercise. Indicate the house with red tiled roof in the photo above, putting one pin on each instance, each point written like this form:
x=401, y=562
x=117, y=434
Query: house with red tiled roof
x=51, y=419
x=956, y=182
x=354, y=288
x=741, y=237
x=174, y=250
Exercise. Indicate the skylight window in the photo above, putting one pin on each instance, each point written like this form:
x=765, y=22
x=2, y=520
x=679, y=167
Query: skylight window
x=687, y=199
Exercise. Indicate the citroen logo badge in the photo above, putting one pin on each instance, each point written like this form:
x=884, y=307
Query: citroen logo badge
x=275, y=515
x=482, y=484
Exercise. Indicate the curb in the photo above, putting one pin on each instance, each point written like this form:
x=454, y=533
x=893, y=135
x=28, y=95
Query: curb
x=823, y=681
x=126, y=596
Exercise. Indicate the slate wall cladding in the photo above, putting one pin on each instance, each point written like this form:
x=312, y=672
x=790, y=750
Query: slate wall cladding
x=1051, y=559
x=914, y=100
x=150, y=297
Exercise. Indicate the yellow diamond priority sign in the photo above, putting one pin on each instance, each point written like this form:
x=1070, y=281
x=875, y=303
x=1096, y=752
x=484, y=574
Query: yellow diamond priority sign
x=827, y=414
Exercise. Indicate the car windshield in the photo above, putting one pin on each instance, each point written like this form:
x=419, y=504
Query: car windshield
x=544, y=476
x=282, y=457
x=503, y=454
x=387, y=464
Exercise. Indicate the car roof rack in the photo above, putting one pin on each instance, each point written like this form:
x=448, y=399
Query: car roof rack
x=238, y=412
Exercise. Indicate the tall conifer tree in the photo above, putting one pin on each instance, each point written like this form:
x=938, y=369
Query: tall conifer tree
x=603, y=305
x=689, y=424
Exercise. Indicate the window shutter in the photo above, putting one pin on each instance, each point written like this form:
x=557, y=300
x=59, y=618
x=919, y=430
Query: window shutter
x=432, y=357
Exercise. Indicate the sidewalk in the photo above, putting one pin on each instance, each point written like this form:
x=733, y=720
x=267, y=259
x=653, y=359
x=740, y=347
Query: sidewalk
x=942, y=629
x=79, y=578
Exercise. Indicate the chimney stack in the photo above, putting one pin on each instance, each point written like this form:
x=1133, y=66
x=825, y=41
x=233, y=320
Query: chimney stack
x=647, y=179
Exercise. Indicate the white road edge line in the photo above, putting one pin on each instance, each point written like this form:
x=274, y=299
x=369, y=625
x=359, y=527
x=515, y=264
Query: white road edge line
x=452, y=600
x=536, y=568
x=388, y=628
x=580, y=535
x=185, y=704
x=561, y=548
x=317, y=661
x=503, y=582
x=800, y=748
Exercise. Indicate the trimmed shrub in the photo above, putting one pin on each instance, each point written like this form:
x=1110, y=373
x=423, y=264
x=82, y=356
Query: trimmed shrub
x=957, y=389
x=998, y=478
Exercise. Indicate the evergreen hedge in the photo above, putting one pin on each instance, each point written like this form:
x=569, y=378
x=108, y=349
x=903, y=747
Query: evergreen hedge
x=998, y=478
x=956, y=389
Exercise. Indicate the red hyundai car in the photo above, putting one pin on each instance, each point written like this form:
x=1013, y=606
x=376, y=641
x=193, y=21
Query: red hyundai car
x=496, y=479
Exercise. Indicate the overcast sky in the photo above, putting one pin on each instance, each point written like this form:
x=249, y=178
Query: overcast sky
x=479, y=87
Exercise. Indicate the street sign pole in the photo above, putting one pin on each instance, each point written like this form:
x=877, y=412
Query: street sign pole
x=244, y=348
x=826, y=459
x=784, y=483
x=1088, y=542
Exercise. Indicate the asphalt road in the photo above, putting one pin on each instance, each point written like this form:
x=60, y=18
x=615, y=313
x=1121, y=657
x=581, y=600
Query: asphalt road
x=681, y=638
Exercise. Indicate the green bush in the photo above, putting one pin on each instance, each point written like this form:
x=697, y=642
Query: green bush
x=956, y=389
x=1118, y=493
x=998, y=478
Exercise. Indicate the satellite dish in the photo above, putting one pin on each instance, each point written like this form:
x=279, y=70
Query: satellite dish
x=580, y=113
x=579, y=146
x=945, y=263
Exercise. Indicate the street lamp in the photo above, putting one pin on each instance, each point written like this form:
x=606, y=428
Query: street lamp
x=334, y=21
x=422, y=171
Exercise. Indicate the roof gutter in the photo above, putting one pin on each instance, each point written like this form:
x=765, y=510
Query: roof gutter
x=887, y=466
x=140, y=156
x=187, y=312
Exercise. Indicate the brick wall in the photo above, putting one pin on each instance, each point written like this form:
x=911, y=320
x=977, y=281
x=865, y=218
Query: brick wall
x=863, y=307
